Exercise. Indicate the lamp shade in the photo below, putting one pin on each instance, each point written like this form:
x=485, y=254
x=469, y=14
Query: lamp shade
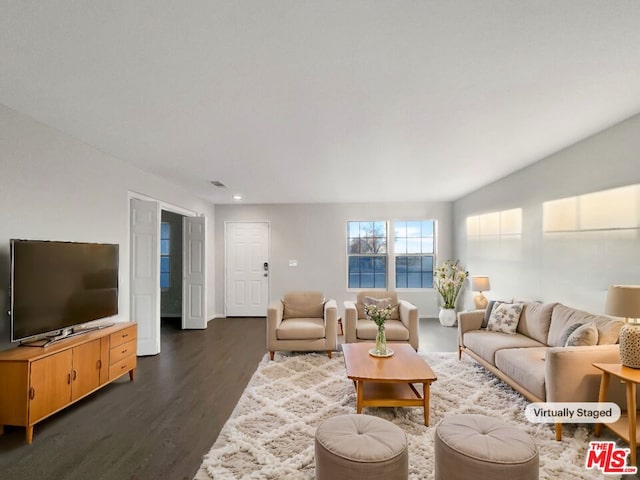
x=480, y=283
x=623, y=301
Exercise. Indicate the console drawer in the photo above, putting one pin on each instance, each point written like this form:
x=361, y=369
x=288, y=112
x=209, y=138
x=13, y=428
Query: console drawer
x=123, y=336
x=121, y=351
x=123, y=366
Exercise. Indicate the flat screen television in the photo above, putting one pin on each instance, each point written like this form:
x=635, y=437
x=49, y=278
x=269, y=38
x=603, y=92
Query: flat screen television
x=59, y=285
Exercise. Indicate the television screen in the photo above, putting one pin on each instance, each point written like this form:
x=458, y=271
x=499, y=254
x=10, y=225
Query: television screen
x=56, y=285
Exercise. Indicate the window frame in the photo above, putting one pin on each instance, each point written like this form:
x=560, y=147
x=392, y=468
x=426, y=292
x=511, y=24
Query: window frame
x=433, y=255
x=385, y=255
x=391, y=255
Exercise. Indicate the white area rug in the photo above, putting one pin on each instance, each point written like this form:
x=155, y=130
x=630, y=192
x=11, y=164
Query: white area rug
x=270, y=434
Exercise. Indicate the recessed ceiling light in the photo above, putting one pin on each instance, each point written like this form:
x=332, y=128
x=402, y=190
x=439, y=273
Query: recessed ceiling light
x=237, y=196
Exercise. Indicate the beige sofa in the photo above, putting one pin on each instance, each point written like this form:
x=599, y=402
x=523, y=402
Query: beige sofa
x=530, y=361
x=302, y=322
x=402, y=326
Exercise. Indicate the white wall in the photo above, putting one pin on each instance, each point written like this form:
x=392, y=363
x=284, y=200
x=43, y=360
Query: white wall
x=574, y=268
x=54, y=187
x=315, y=236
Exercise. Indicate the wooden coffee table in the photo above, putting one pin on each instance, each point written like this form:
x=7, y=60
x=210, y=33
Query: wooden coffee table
x=388, y=382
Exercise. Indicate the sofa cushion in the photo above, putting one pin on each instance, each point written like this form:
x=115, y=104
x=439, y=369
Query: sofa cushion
x=394, y=330
x=584, y=336
x=485, y=344
x=378, y=294
x=535, y=320
x=526, y=367
x=303, y=305
x=608, y=329
x=301, y=329
x=563, y=316
x=567, y=333
x=504, y=318
x=487, y=313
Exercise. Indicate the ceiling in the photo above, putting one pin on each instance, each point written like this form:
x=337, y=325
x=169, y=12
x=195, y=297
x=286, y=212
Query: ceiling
x=295, y=101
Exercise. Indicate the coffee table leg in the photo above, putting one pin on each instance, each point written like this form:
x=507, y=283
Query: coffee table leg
x=425, y=396
x=360, y=395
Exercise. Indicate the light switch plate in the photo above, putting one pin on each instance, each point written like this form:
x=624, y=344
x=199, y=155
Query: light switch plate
x=293, y=263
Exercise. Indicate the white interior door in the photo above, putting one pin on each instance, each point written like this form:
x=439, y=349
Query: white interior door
x=247, y=269
x=194, y=291
x=145, y=279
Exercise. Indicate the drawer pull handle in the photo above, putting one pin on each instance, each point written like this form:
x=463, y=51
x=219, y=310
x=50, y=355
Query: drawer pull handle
x=75, y=375
x=123, y=367
x=68, y=379
x=125, y=335
x=124, y=351
x=32, y=393
x=99, y=364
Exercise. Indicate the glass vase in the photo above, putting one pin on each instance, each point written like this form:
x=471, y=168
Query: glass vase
x=381, y=341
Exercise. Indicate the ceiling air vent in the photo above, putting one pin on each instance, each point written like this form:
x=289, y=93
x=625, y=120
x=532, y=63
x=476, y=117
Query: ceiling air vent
x=218, y=184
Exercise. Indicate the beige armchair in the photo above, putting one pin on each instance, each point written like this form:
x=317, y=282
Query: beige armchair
x=302, y=322
x=402, y=326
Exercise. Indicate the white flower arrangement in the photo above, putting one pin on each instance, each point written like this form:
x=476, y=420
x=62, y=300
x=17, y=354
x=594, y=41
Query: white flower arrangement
x=378, y=315
x=448, y=279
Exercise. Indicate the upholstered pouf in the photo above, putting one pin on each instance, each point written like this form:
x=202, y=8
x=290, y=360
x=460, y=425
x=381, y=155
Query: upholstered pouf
x=353, y=447
x=475, y=446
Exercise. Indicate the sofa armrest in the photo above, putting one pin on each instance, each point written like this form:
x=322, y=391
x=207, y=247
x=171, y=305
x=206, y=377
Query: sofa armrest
x=274, y=318
x=468, y=321
x=350, y=322
x=331, y=323
x=570, y=375
x=408, y=313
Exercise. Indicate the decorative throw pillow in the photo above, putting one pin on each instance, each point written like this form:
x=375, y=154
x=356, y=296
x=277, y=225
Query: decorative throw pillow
x=378, y=302
x=487, y=313
x=504, y=318
x=382, y=303
x=562, y=341
x=584, y=336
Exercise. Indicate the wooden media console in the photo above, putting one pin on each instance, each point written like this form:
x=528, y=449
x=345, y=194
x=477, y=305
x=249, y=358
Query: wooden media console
x=38, y=382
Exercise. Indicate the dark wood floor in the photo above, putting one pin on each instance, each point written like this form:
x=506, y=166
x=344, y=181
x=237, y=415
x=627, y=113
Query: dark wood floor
x=160, y=425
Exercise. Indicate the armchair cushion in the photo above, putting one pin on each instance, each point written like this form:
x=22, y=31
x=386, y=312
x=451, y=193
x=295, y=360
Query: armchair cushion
x=394, y=330
x=303, y=305
x=301, y=329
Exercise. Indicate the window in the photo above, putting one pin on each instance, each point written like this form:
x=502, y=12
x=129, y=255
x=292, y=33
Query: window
x=165, y=268
x=407, y=262
x=367, y=254
x=414, y=253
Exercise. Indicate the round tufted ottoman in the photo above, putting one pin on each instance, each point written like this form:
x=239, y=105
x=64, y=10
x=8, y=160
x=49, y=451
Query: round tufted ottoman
x=353, y=447
x=475, y=446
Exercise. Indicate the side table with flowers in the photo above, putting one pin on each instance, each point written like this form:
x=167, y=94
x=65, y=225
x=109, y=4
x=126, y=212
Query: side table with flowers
x=379, y=316
x=448, y=279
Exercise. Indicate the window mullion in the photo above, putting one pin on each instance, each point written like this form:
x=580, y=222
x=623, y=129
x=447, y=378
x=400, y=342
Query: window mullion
x=391, y=259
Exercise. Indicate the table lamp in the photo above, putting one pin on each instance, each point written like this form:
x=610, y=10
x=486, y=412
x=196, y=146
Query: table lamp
x=624, y=301
x=480, y=283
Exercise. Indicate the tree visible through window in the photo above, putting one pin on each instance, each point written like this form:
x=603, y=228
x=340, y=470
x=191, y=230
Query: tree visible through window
x=414, y=252
x=165, y=267
x=367, y=254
